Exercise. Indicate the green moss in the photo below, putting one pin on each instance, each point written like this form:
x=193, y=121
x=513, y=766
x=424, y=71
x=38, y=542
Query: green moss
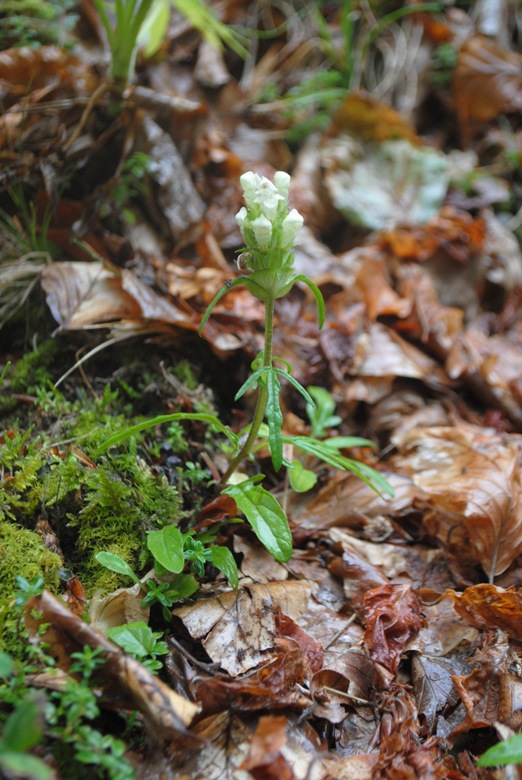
x=33, y=370
x=22, y=553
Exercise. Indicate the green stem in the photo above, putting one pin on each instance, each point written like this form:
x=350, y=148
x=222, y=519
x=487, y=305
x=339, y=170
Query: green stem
x=262, y=395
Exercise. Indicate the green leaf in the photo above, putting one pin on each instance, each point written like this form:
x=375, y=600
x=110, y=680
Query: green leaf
x=301, y=479
x=134, y=638
x=265, y=515
x=223, y=560
x=116, y=563
x=346, y=442
x=185, y=585
x=298, y=386
x=23, y=730
x=6, y=665
x=26, y=766
x=154, y=27
x=211, y=419
x=166, y=545
x=508, y=752
x=319, y=300
x=216, y=299
x=321, y=450
x=252, y=380
x=274, y=418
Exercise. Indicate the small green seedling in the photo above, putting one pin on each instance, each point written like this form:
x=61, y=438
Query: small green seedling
x=138, y=640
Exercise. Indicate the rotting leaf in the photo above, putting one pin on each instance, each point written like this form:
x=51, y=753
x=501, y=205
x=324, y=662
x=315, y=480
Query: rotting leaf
x=392, y=614
x=472, y=477
x=166, y=712
x=433, y=685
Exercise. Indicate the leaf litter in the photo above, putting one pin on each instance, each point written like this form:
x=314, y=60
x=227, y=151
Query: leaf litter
x=388, y=646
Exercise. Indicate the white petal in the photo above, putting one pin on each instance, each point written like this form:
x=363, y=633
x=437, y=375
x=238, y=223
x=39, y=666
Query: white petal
x=262, y=228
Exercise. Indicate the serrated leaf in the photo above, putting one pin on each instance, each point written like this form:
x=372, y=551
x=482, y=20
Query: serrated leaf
x=301, y=479
x=116, y=563
x=274, y=417
x=508, y=752
x=223, y=560
x=134, y=638
x=266, y=517
x=166, y=545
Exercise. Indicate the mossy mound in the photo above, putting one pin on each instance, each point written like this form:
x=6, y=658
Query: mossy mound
x=22, y=553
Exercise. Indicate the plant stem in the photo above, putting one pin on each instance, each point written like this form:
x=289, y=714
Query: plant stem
x=262, y=395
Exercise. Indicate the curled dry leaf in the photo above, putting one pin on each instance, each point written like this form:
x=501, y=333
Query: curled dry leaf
x=472, y=478
x=490, y=607
x=167, y=714
x=392, y=614
x=347, y=679
x=374, y=284
x=237, y=628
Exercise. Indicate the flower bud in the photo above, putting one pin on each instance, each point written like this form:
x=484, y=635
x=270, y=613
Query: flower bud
x=250, y=182
x=262, y=228
x=290, y=228
x=282, y=183
x=241, y=218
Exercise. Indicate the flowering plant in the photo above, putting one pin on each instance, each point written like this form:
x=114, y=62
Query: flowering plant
x=269, y=229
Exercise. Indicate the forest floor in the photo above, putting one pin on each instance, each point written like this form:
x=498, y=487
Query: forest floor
x=388, y=645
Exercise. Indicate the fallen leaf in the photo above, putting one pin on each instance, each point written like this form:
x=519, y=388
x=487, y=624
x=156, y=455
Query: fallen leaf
x=392, y=614
x=472, y=478
x=363, y=116
x=265, y=760
x=487, y=81
x=237, y=628
x=490, y=607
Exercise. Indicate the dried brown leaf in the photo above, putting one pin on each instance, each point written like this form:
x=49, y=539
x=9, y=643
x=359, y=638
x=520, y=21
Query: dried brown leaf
x=490, y=607
x=237, y=628
x=472, y=478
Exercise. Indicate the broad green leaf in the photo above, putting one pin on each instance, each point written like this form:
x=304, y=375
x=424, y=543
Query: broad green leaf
x=116, y=563
x=134, y=638
x=223, y=560
x=265, y=515
x=185, y=585
x=6, y=665
x=22, y=730
x=301, y=479
x=508, y=752
x=23, y=765
x=211, y=419
x=274, y=418
x=166, y=545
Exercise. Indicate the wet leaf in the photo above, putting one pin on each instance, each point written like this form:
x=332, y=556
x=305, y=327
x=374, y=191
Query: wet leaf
x=392, y=614
x=490, y=607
